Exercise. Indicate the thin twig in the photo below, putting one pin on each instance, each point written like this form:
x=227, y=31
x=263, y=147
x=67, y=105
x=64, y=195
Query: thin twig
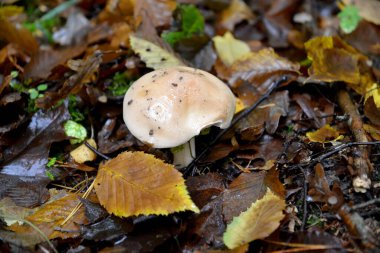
x=365, y=204
x=234, y=122
x=304, y=215
x=96, y=151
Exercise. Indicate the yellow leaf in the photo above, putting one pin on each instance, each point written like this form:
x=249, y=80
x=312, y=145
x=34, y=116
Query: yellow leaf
x=259, y=221
x=373, y=91
x=239, y=105
x=154, y=56
x=324, y=134
x=136, y=183
x=50, y=216
x=230, y=49
x=83, y=154
x=334, y=60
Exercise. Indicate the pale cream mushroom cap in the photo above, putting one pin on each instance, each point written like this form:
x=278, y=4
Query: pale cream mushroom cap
x=167, y=107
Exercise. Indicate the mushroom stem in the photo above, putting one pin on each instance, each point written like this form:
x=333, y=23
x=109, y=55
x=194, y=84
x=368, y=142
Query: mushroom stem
x=184, y=155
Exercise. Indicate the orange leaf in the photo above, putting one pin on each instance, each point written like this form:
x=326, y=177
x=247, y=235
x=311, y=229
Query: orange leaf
x=50, y=216
x=136, y=183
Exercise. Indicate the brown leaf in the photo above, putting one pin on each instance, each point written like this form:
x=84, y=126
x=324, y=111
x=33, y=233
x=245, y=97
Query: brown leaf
x=24, y=191
x=234, y=14
x=44, y=61
x=136, y=183
x=257, y=64
x=19, y=36
x=85, y=69
x=160, y=12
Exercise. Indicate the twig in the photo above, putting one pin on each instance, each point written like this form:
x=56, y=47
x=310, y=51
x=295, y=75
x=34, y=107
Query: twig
x=234, y=122
x=96, y=151
x=304, y=215
x=361, y=165
x=365, y=204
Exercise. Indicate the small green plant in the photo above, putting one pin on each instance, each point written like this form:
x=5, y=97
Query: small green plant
x=76, y=114
x=192, y=22
x=34, y=93
x=349, y=18
x=119, y=85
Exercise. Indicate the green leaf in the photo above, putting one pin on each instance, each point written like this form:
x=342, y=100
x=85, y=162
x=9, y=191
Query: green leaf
x=192, y=22
x=51, y=162
x=33, y=93
x=119, y=85
x=192, y=19
x=76, y=131
x=42, y=87
x=349, y=18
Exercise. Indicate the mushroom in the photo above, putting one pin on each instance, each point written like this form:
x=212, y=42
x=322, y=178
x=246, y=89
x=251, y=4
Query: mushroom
x=168, y=107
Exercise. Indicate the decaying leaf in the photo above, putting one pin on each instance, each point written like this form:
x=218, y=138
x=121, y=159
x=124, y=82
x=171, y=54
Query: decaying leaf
x=259, y=221
x=256, y=64
x=136, y=183
x=50, y=216
x=324, y=134
x=328, y=53
x=154, y=56
x=230, y=49
x=160, y=12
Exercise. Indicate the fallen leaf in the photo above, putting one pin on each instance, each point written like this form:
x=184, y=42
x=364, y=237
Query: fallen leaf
x=160, y=12
x=50, y=216
x=28, y=155
x=259, y=221
x=256, y=64
x=24, y=191
x=368, y=9
x=83, y=154
x=324, y=134
x=154, y=56
x=236, y=12
x=136, y=183
x=230, y=49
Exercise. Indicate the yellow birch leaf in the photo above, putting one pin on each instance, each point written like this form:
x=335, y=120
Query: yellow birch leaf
x=230, y=49
x=259, y=221
x=324, y=134
x=154, y=56
x=136, y=183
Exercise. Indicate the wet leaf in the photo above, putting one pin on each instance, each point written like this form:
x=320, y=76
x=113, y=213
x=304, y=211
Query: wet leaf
x=324, y=134
x=51, y=215
x=135, y=183
x=154, y=56
x=24, y=191
x=230, y=49
x=259, y=221
x=28, y=156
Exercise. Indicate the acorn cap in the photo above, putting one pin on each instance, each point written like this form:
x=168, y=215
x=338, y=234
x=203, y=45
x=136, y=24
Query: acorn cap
x=167, y=107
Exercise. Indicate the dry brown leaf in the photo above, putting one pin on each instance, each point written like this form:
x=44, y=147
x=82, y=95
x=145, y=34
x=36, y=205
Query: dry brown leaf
x=160, y=12
x=49, y=217
x=234, y=14
x=259, y=221
x=136, y=183
x=368, y=9
x=260, y=63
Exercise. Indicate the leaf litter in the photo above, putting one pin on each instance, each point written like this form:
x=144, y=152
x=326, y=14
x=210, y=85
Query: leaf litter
x=296, y=172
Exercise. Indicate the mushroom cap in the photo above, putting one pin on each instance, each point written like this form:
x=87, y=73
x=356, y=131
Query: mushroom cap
x=167, y=107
